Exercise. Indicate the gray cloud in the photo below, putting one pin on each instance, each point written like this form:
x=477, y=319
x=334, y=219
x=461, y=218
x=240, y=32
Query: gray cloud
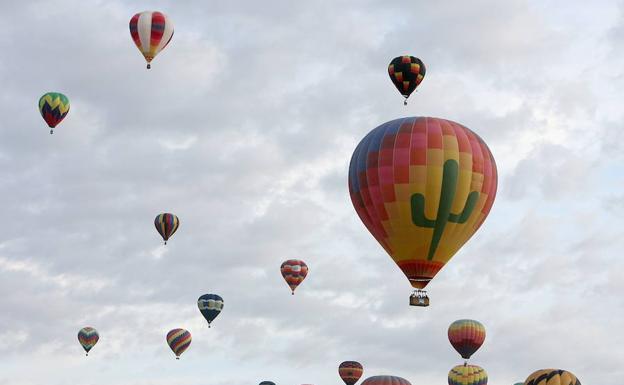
x=244, y=128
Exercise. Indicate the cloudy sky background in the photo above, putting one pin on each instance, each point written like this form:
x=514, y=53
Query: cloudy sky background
x=244, y=127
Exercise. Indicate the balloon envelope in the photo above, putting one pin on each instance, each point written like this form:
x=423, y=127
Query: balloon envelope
x=467, y=375
x=294, y=272
x=466, y=336
x=88, y=337
x=267, y=383
x=350, y=372
x=151, y=32
x=53, y=107
x=422, y=187
x=178, y=340
x=552, y=377
x=210, y=305
x=166, y=224
x=385, y=380
x=406, y=73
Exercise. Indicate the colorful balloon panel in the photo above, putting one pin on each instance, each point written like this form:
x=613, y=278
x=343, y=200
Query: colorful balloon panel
x=350, y=372
x=210, y=306
x=422, y=186
x=406, y=73
x=151, y=32
x=385, y=380
x=166, y=224
x=467, y=375
x=53, y=107
x=466, y=336
x=88, y=337
x=178, y=340
x=294, y=272
x=552, y=377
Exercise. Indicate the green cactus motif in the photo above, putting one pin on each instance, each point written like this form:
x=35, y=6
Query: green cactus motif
x=449, y=188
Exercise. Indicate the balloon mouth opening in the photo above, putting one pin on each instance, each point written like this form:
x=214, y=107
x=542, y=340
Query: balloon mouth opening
x=419, y=283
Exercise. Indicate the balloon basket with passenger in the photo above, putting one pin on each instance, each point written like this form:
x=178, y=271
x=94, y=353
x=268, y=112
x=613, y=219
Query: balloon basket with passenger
x=419, y=298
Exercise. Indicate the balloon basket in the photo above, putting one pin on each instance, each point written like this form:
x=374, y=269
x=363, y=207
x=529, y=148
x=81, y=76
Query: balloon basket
x=419, y=298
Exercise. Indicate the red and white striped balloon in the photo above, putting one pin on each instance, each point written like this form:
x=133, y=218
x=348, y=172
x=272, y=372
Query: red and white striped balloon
x=151, y=32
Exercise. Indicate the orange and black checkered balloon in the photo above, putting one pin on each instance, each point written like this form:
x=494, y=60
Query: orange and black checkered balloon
x=406, y=72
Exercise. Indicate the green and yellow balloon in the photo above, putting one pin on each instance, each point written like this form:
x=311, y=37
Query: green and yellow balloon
x=53, y=107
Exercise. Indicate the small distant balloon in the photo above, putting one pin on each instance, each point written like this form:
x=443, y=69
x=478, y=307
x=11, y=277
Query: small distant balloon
x=350, y=372
x=406, y=73
x=151, y=32
x=385, y=380
x=267, y=383
x=166, y=224
x=53, y=107
x=178, y=340
x=294, y=272
x=466, y=336
x=210, y=305
x=552, y=377
x=88, y=337
x=467, y=375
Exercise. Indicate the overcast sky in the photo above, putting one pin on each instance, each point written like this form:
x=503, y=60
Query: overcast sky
x=244, y=128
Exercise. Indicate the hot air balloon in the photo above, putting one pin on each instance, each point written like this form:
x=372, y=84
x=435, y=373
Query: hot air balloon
x=467, y=375
x=406, y=72
x=350, y=372
x=552, y=377
x=385, y=380
x=178, y=340
x=267, y=383
x=166, y=224
x=88, y=337
x=151, y=32
x=294, y=272
x=422, y=186
x=210, y=305
x=53, y=107
x=466, y=336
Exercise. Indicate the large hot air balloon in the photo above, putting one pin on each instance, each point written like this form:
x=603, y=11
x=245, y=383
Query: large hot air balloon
x=422, y=186
x=151, y=32
x=350, y=372
x=466, y=336
x=210, y=305
x=467, y=375
x=294, y=272
x=53, y=107
x=552, y=377
x=166, y=224
x=385, y=380
x=88, y=337
x=178, y=340
x=406, y=72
